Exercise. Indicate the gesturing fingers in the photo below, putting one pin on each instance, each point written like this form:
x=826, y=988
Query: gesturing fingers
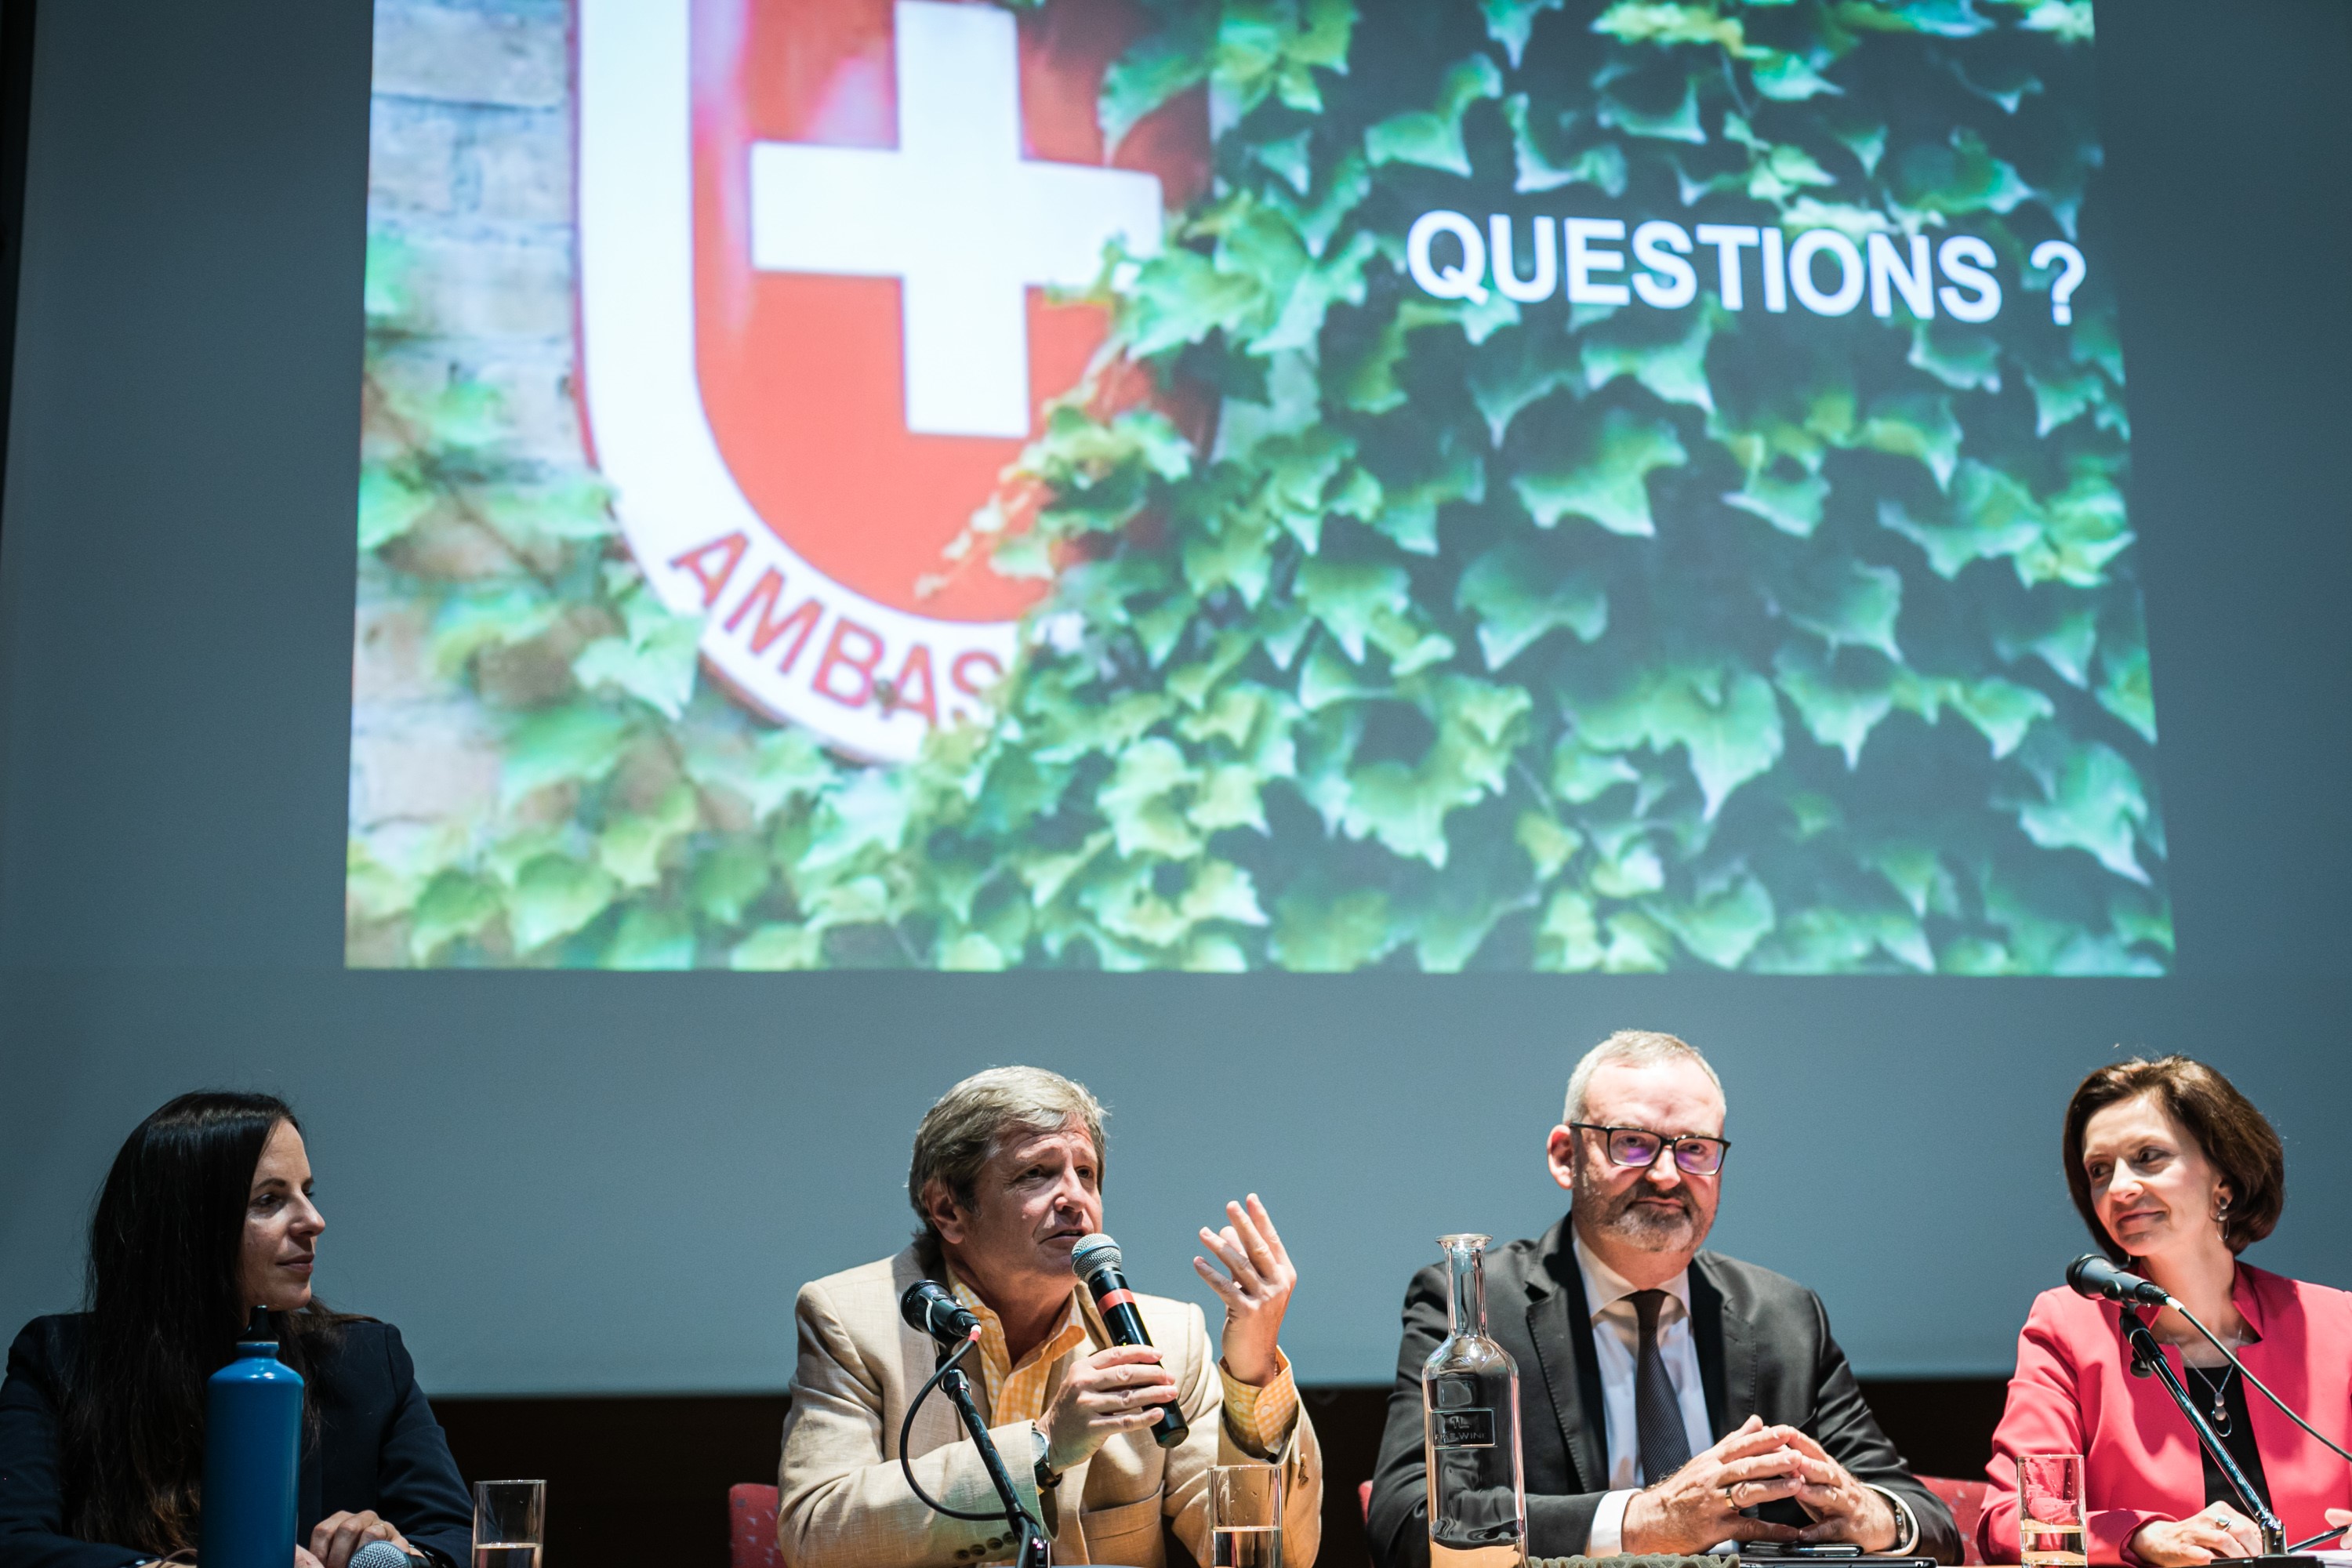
x=1230, y=1252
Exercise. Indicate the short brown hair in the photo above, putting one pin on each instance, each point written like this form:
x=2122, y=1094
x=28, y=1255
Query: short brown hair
x=2235, y=1137
x=971, y=1122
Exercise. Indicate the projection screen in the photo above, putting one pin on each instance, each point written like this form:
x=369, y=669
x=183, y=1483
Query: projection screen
x=1523, y=485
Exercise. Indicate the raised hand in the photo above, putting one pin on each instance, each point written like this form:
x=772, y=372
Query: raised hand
x=1256, y=1289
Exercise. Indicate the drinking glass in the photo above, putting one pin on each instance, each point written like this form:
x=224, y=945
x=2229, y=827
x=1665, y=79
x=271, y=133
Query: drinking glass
x=2050, y=1510
x=1246, y=1516
x=508, y=1518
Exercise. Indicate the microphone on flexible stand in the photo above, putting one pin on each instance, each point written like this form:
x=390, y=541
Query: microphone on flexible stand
x=2092, y=1275
x=930, y=1308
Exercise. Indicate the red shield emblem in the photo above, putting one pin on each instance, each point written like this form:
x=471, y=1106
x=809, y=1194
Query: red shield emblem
x=818, y=244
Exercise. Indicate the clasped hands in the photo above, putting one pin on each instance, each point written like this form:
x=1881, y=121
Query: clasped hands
x=1700, y=1503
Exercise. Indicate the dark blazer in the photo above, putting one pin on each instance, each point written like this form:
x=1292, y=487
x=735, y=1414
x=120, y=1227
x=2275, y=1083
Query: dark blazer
x=378, y=1448
x=1764, y=1349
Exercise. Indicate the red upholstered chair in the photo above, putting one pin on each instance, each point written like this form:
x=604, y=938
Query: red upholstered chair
x=752, y=1526
x=1967, y=1501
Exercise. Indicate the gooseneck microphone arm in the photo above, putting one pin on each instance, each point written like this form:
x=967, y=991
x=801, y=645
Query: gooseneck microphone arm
x=1034, y=1547
x=2147, y=1356
x=2092, y=1275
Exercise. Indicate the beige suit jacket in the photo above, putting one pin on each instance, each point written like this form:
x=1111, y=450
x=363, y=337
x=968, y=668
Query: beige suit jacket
x=844, y=1502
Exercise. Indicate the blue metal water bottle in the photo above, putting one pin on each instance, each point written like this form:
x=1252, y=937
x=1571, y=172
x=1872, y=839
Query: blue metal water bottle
x=252, y=1437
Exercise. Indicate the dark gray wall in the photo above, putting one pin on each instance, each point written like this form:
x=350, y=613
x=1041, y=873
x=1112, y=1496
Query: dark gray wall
x=614, y=1182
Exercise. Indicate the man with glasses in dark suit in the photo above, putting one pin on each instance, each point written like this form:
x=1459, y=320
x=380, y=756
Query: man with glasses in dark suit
x=1671, y=1400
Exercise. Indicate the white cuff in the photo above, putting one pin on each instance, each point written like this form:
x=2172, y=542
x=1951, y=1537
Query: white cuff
x=1608, y=1537
x=1905, y=1521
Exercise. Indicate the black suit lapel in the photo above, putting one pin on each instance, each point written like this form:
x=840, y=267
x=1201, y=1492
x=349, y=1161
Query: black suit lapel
x=1561, y=1326
x=1726, y=1351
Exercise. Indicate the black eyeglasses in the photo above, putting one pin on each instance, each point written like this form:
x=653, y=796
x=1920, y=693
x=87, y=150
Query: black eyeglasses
x=1695, y=1154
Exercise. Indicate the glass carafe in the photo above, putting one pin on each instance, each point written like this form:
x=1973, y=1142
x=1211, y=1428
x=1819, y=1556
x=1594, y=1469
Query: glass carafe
x=1470, y=1432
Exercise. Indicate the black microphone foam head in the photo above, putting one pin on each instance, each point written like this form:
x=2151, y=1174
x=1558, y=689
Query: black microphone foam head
x=1095, y=1253
x=930, y=1308
x=2090, y=1275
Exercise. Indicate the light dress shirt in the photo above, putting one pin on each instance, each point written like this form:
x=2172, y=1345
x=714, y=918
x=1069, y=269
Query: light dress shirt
x=1616, y=1343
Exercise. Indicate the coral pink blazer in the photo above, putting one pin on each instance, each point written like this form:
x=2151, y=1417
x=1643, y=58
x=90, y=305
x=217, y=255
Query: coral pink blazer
x=2073, y=1394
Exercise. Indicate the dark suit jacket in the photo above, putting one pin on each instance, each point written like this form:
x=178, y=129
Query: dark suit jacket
x=1764, y=1349
x=378, y=1448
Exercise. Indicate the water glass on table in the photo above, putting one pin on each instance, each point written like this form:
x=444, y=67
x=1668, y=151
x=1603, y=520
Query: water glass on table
x=509, y=1520
x=2050, y=1510
x=1246, y=1516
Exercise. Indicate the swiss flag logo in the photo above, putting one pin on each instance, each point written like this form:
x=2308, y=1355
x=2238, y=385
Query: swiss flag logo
x=821, y=242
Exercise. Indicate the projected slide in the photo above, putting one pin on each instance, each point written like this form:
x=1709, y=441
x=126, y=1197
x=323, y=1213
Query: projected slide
x=1317, y=485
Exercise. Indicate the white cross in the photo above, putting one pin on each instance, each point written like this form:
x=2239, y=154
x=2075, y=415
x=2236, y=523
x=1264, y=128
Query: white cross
x=956, y=213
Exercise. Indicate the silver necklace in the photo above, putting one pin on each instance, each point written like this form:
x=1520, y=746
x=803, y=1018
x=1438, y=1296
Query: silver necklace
x=2219, y=1414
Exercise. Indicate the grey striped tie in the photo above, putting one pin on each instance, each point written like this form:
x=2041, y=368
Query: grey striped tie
x=1657, y=1414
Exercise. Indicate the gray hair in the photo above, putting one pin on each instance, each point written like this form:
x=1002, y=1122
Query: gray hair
x=1634, y=1048
x=976, y=1118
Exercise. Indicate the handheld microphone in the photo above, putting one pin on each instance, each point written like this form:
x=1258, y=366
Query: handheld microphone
x=381, y=1554
x=1096, y=1259
x=930, y=1308
x=2092, y=1275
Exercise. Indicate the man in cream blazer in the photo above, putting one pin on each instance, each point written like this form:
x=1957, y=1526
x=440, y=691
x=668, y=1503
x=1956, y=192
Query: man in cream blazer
x=1007, y=1177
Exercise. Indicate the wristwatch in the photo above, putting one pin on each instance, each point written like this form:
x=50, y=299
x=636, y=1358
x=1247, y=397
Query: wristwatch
x=1907, y=1523
x=1047, y=1477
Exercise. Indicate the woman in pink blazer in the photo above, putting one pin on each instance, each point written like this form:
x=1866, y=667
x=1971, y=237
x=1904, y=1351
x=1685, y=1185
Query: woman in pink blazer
x=2176, y=1172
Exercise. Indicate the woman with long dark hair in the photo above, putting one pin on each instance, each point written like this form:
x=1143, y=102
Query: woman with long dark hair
x=207, y=1216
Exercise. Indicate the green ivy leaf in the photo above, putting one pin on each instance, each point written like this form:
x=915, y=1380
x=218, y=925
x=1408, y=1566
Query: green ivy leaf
x=453, y=906
x=651, y=939
x=2092, y=801
x=576, y=744
x=729, y=878
x=1517, y=600
x=778, y=946
x=1839, y=712
x=1847, y=603
x=1610, y=487
x=1331, y=936
x=1550, y=843
x=2125, y=688
x=392, y=499
x=1153, y=71
x=1725, y=717
x=1721, y=928
x=1509, y=22
x=1347, y=596
x=1792, y=506
x=555, y=896
x=631, y=845
x=1433, y=138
